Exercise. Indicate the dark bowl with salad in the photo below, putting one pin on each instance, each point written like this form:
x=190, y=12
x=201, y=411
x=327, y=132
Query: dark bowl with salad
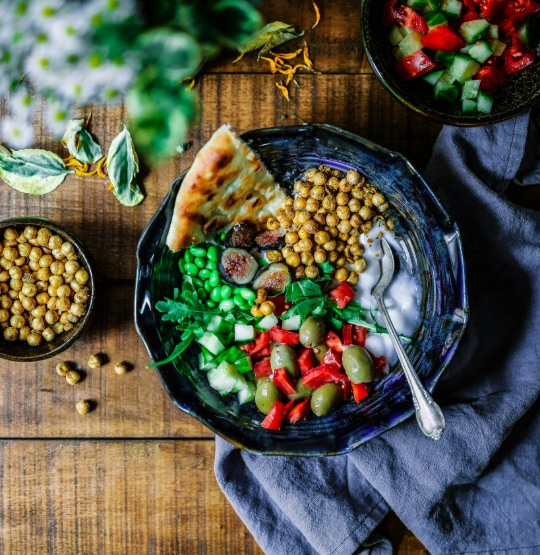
x=310, y=376
x=459, y=62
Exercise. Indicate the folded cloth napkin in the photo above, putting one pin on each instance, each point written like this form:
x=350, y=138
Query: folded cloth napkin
x=477, y=490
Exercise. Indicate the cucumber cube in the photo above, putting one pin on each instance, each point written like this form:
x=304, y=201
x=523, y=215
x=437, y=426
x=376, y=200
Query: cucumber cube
x=463, y=67
x=451, y=8
x=474, y=30
x=445, y=91
x=493, y=32
x=444, y=58
x=434, y=19
x=468, y=105
x=484, y=103
x=497, y=47
x=395, y=36
x=409, y=45
x=480, y=51
x=470, y=89
x=433, y=76
x=431, y=6
x=417, y=5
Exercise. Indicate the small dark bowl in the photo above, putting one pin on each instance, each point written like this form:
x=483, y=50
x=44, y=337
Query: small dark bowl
x=431, y=250
x=20, y=351
x=520, y=93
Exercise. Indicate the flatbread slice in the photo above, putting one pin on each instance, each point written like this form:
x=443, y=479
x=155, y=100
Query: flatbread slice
x=227, y=184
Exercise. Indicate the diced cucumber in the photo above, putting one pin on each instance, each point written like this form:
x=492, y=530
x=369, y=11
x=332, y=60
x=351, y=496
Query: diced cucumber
x=291, y=324
x=474, y=30
x=219, y=325
x=468, y=105
x=267, y=322
x=443, y=90
x=444, y=58
x=434, y=19
x=451, y=8
x=493, y=32
x=524, y=33
x=433, y=76
x=244, y=364
x=480, y=51
x=231, y=354
x=484, y=103
x=497, y=47
x=409, y=45
x=431, y=6
x=225, y=379
x=212, y=342
x=417, y=5
x=395, y=36
x=247, y=394
x=204, y=364
x=244, y=332
x=470, y=89
x=463, y=67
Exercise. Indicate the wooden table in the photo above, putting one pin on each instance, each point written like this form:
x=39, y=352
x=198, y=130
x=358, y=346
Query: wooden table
x=135, y=475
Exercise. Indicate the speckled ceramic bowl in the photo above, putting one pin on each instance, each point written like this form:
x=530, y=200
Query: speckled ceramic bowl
x=20, y=351
x=521, y=92
x=432, y=251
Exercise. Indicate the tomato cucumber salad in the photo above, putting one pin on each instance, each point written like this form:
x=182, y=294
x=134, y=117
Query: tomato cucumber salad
x=464, y=49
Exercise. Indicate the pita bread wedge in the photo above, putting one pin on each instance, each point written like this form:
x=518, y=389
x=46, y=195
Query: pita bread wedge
x=227, y=184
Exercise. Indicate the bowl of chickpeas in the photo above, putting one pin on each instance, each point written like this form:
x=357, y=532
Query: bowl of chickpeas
x=343, y=193
x=47, y=289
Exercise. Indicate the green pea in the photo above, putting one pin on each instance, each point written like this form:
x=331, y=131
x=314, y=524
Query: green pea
x=191, y=269
x=248, y=294
x=208, y=287
x=198, y=252
x=197, y=282
x=211, y=264
x=215, y=294
x=245, y=306
x=182, y=266
x=214, y=278
x=238, y=301
x=222, y=236
x=226, y=305
x=210, y=303
x=200, y=263
x=188, y=256
x=226, y=292
x=212, y=253
x=205, y=273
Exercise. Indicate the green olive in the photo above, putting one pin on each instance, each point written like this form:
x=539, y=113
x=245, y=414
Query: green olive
x=266, y=394
x=319, y=351
x=284, y=356
x=358, y=364
x=302, y=391
x=325, y=399
x=312, y=331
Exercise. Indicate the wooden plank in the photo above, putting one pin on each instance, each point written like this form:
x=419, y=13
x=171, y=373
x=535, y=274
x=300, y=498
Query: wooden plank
x=84, y=498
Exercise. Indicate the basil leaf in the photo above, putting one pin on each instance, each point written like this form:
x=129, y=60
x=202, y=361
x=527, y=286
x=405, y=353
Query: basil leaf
x=34, y=171
x=80, y=143
x=270, y=36
x=122, y=167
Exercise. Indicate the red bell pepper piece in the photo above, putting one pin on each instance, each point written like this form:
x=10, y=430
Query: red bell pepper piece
x=275, y=416
x=342, y=294
x=283, y=381
x=306, y=360
x=442, y=38
x=359, y=335
x=323, y=374
x=263, y=353
x=299, y=411
x=491, y=78
x=261, y=341
x=413, y=66
x=332, y=341
x=347, y=334
x=411, y=19
x=333, y=359
x=284, y=336
x=360, y=391
x=262, y=368
x=280, y=305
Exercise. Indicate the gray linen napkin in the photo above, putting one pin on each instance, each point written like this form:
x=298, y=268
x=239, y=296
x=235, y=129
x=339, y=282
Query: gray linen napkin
x=477, y=490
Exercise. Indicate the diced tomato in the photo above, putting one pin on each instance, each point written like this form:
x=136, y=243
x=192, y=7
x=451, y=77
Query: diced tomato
x=280, y=305
x=263, y=353
x=491, y=8
x=515, y=60
x=442, y=38
x=360, y=391
x=389, y=12
x=411, y=19
x=380, y=364
x=262, y=368
x=491, y=78
x=283, y=381
x=275, y=416
x=306, y=360
x=284, y=336
x=347, y=334
x=323, y=374
x=342, y=294
x=333, y=359
x=299, y=411
x=359, y=335
x=413, y=66
x=332, y=341
x=261, y=341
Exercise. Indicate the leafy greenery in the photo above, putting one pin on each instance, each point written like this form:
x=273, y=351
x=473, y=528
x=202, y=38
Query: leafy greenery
x=270, y=36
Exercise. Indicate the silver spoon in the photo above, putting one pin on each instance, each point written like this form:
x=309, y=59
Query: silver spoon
x=428, y=413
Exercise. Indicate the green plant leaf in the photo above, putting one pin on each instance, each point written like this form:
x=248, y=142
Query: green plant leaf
x=122, y=167
x=270, y=36
x=80, y=143
x=34, y=171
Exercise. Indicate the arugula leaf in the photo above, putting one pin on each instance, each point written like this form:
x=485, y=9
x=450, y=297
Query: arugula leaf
x=177, y=351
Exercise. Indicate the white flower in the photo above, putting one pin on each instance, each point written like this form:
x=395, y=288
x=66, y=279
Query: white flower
x=108, y=11
x=56, y=117
x=20, y=103
x=17, y=133
x=41, y=12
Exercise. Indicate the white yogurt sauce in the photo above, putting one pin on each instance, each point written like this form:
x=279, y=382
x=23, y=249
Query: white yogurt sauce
x=402, y=298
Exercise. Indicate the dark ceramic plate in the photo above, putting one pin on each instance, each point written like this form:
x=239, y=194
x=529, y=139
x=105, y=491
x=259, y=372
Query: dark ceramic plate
x=521, y=92
x=431, y=250
x=20, y=351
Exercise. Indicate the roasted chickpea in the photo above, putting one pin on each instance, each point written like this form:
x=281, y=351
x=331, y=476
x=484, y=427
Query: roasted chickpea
x=304, y=190
x=271, y=224
x=30, y=232
x=307, y=258
x=33, y=339
x=299, y=271
x=95, y=361
x=293, y=260
x=352, y=279
x=345, y=186
x=267, y=308
x=360, y=266
x=329, y=245
x=341, y=274
x=342, y=199
x=48, y=334
x=121, y=368
x=319, y=255
x=299, y=203
x=17, y=307
x=312, y=271
x=73, y=377
x=271, y=256
x=319, y=179
x=365, y=212
x=83, y=407
x=344, y=227
x=305, y=245
x=333, y=183
x=62, y=368
x=11, y=334
x=318, y=192
x=291, y=237
x=332, y=219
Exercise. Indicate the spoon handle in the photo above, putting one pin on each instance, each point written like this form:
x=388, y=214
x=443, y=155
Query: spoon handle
x=428, y=413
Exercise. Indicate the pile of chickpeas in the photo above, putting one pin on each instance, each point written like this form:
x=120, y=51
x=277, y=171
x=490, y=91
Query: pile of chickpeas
x=43, y=285
x=324, y=220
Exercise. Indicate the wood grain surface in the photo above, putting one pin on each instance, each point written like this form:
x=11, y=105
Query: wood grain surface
x=135, y=475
